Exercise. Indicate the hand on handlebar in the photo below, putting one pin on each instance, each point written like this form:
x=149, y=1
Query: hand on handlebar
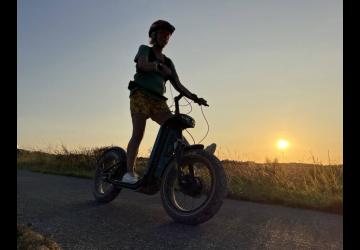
x=201, y=101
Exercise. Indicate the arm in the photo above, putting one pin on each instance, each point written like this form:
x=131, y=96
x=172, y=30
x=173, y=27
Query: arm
x=174, y=80
x=144, y=65
x=181, y=88
x=142, y=60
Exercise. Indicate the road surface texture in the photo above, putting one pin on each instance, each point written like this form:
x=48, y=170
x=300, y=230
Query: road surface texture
x=64, y=209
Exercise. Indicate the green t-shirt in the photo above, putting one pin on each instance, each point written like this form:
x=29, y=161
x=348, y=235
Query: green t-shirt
x=150, y=83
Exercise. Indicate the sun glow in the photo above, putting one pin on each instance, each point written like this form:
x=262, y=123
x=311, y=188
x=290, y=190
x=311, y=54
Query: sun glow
x=282, y=144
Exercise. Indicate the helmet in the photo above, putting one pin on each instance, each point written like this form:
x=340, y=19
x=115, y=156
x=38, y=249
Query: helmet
x=159, y=25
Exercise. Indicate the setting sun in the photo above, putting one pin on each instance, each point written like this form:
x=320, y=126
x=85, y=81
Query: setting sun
x=282, y=144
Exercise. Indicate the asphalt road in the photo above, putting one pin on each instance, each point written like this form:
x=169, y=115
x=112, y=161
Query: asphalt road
x=64, y=209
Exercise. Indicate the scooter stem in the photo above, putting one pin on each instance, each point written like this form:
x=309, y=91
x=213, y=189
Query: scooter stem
x=177, y=98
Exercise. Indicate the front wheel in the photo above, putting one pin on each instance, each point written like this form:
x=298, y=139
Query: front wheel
x=111, y=164
x=193, y=192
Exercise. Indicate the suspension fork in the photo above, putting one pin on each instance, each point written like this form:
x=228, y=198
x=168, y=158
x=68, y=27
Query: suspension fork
x=111, y=172
x=191, y=170
x=179, y=154
x=191, y=167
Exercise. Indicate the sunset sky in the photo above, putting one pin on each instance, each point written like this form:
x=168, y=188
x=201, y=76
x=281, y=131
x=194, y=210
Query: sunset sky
x=270, y=70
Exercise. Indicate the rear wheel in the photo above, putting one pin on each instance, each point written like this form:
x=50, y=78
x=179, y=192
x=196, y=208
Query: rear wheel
x=194, y=194
x=111, y=164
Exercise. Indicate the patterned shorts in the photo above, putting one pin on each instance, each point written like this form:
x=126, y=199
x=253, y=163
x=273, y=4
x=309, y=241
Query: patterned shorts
x=141, y=103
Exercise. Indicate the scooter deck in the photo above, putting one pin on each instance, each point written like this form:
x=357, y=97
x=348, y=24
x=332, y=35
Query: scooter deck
x=120, y=184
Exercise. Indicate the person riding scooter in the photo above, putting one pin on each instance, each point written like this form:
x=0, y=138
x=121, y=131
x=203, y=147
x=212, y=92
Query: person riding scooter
x=147, y=100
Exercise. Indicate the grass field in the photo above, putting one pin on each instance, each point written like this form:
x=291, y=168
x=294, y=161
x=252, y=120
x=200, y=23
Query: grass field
x=312, y=186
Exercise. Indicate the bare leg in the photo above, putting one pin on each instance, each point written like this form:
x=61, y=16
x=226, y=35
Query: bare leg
x=139, y=123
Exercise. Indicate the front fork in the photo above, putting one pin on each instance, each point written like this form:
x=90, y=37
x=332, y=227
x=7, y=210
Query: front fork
x=179, y=154
x=110, y=172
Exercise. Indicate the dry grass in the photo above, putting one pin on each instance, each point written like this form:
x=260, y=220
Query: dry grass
x=313, y=186
x=300, y=185
x=27, y=239
x=79, y=163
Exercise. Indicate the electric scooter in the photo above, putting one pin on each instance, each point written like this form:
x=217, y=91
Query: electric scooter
x=191, y=181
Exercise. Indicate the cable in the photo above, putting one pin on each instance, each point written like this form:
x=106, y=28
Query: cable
x=208, y=127
x=189, y=104
x=190, y=135
x=172, y=96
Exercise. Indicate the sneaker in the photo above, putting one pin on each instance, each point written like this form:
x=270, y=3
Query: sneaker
x=211, y=148
x=129, y=178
